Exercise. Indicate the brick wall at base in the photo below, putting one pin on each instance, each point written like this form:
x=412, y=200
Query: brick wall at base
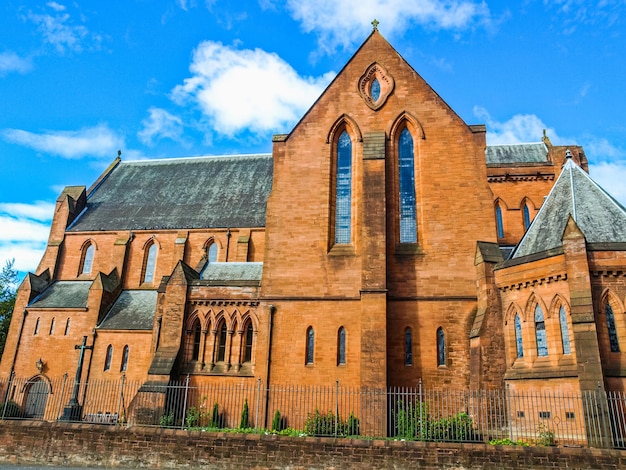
x=28, y=443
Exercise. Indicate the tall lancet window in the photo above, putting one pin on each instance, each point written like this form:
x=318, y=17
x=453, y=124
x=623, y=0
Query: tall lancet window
x=499, y=221
x=406, y=178
x=540, y=332
x=518, y=337
x=564, y=331
x=610, y=325
x=526, y=212
x=343, y=192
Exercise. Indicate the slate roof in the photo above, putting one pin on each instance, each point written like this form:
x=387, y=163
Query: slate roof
x=517, y=153
x=232, y=273
x=133, y=310
x=63, y=294
x=179, y=193
x=600, y=217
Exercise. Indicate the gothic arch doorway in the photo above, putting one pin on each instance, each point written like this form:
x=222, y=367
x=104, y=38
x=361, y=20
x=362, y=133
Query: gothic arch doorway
x=36, y=399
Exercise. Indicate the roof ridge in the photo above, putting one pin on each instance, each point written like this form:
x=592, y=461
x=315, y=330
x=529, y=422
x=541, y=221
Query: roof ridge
x=199, y=157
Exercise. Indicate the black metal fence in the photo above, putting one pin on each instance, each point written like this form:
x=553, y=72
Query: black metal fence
x=593, y=418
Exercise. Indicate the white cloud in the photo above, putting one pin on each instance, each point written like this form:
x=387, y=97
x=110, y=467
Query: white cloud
x=160, y=125
x=24, y=234
x=611, y=176
x=519, y=129
x=345, y=23
x=98, y=141
x=247, y=89
x=11, y=62
x=59, y=30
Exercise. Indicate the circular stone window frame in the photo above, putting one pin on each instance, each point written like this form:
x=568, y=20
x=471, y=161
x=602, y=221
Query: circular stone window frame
x=375, y=72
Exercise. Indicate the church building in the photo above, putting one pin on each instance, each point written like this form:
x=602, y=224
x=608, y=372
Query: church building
x=380, y=244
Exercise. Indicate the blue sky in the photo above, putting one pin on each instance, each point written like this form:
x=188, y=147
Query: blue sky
x=167, y=78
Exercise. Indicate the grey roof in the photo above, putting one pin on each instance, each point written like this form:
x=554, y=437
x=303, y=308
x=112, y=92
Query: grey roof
x=600, y=217
x=63, y=294
x=180, y=193
x=517, y=153
x=232, y=272
x=133, y=310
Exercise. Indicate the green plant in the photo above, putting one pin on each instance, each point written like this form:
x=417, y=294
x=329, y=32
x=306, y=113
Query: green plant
x=507, y=442
x=277, y=422
x=318, y=424
x=193, y=417
x=215, y=416
x=545, y=435
x=411, y=420
x=167, y=420
x=10, y=409
x=353, y=426
x=243, y=424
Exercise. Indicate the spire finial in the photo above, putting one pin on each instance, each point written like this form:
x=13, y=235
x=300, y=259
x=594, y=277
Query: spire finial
x=568, y=154
x=375, y=24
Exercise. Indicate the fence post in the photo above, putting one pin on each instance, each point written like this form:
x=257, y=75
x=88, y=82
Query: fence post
x=258, y=397
x=121, y=399
x=508, y=410
x=6, y=396
x=420, y=408
x=604, y=399
x=182, y=420
x=336, y=405
x=61, y=397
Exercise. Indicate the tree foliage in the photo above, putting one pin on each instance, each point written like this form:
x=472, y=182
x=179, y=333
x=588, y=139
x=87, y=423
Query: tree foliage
x=8, y=286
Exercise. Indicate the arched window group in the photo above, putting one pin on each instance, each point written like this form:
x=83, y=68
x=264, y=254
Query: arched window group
x=108, y=358
x=309, y=353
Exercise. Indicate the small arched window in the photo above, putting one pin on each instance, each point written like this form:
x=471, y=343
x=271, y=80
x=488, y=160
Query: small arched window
x=526, y=212
x=36, y=332
x=212, y=253
x=406, y=180
x=441, y=347
x=87, y=261
x=540, y=332
x=52, y=325
x=67, y=327
x=610, y=325
x=343, y=190
x=310, y=345
x=221, y=343
x=108, y=358
x=499, y=221
x=150, y=264
x=197, y=335
x=408, y=347
x=564, y=331
x=341, y=346
x=518, y=336
x=124, y=364
x=247, y=354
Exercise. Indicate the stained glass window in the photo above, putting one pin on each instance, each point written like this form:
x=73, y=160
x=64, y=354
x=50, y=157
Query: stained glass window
x=518, y=337
x=52, y=326
x=108, y=358
x=408, y=347
x=499, y=223
x=150, y=263
x=408, y=222
x=88, y=259
x=343, y=199
x=67, y=327
x=375, y=90
x=124, y=364
x=341, y=346
x=610, y=324
x=221, y=348
x=564, y=331
x=212, y=254
x=441, y=347
x=197, y=334
x=526, y=216
x=540, y=332
x=310, y=345
x=247, y=357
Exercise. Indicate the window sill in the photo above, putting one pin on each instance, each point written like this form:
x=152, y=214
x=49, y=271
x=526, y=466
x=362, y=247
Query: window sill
x=342, y=250
x=408, y=249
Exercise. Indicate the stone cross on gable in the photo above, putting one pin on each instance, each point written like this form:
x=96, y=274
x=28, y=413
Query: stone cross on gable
x=375, y=24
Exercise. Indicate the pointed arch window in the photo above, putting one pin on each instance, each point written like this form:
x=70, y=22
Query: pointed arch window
x=518, y=336
x=108, y=358
x=341, y=346
x=441, y=347
x=36, y=332
x=87, y=258
x=310, y=345
x=499, y=221
x=221, y=344
x=540, y=332
x=124, y=364
x=526, y=212
x=343, y=189
x=67, y=327
x=197, y=334
x=564, y=331
x=408, y=347
x=52, y=323
x=247, y=354
x=406, y=182
x=212, y=253
x=150, y=264
x=610, y=325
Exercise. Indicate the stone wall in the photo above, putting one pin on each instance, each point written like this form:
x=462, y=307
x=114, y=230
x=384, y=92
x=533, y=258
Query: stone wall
x=29, y=443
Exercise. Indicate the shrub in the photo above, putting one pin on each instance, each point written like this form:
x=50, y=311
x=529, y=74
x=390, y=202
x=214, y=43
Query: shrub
x=167, y=420
x=12, y=409
x=215, y=416
x=277, y=422
x=328, y=424
x=243, y=424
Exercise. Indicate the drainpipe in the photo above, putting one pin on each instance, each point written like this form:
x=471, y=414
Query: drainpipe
x=272, y=310
x=228, y=235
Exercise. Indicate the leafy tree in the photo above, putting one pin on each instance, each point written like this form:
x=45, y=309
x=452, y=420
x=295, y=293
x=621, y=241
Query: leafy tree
x=8, y=282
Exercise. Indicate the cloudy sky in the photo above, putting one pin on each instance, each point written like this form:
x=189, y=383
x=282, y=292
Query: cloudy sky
x=81, y=80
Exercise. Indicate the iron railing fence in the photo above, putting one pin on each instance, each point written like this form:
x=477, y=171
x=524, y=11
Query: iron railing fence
x=592, y=418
